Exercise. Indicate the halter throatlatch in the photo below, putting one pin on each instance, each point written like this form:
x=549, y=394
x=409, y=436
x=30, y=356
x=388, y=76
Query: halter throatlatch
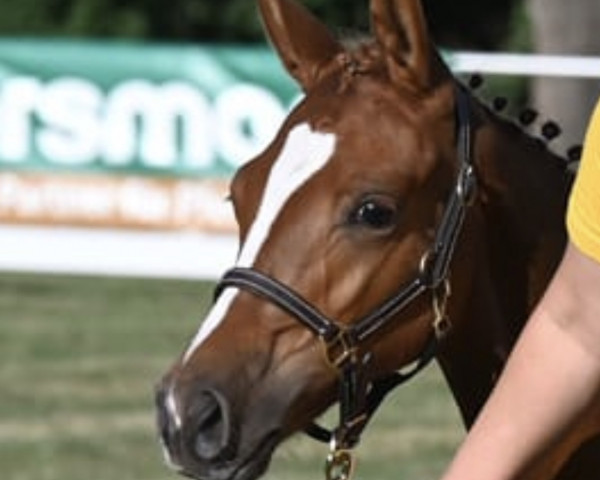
x=359, y=397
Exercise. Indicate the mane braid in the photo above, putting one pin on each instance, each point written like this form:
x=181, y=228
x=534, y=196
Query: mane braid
x=514, y=127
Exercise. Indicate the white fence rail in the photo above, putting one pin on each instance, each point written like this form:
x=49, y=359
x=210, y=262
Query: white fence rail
x=527, y=65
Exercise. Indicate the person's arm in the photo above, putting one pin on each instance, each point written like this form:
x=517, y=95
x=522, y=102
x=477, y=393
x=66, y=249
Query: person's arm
x=551, y=378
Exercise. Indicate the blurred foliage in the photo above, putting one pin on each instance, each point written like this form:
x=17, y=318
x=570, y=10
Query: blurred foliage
x=461, y=23
x=470, y=24
x=518, y=37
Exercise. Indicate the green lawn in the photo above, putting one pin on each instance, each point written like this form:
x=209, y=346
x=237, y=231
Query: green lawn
x=78, y=361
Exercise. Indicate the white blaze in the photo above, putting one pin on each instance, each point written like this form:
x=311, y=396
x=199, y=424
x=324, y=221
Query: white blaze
x=305, y=153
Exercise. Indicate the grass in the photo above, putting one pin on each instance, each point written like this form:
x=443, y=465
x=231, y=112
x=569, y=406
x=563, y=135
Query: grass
x=78, y=361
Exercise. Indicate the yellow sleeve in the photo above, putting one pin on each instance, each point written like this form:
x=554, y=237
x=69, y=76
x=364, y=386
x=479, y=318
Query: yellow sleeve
x=583, y=216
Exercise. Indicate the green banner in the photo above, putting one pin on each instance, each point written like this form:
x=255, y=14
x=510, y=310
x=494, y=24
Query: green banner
x=88, y=107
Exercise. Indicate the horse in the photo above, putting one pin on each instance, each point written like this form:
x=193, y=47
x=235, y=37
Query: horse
x=393, y=219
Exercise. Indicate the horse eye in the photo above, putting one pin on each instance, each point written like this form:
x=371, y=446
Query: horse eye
x=374, y=214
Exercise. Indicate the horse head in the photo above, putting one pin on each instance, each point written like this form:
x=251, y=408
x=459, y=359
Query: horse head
x=338, y=279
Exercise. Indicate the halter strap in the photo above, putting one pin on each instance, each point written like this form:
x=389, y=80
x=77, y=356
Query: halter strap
x=282, y=296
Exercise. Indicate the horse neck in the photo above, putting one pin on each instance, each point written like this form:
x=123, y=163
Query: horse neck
x=524, y=192
x=516, y=237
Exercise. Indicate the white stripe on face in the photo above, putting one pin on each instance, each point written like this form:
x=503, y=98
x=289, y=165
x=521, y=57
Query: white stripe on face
x=305, y=153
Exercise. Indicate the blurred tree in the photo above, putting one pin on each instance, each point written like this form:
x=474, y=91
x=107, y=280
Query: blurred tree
x=560, y=28
x=461, y=23
x=92, y=18
x=470, y=23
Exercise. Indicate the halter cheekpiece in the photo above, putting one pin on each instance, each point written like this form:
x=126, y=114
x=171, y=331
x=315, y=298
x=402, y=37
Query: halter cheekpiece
x=360, y=397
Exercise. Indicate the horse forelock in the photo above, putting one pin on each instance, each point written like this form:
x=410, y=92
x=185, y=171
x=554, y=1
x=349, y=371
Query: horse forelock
x=361, y=55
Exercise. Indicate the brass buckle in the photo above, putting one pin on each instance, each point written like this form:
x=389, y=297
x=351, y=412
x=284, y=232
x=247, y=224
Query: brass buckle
x=339, y=349
x=425, y=262
x=441, y=321
x=339, y=464
x=466, y=185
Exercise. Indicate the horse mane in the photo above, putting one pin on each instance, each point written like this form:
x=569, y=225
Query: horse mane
x=520, y=126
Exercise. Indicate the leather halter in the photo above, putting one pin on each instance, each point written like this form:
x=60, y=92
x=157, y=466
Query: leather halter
x=358, y=396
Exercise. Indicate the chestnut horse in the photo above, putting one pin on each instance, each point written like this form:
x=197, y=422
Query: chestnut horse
x=384, y=188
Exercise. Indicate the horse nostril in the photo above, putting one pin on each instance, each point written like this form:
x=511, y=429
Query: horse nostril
x=212, y=431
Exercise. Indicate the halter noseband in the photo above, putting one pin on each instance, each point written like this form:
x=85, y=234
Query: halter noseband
x=359, y=398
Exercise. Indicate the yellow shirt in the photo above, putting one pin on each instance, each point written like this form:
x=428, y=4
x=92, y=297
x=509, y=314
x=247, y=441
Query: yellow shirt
x=583, y=216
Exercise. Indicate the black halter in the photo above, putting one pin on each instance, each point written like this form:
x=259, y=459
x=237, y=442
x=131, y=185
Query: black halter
x=360, y=397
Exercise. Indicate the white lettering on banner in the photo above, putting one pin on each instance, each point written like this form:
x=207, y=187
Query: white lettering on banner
x=248, y=117
x=192, y=198
x=18, y=100
x=115, y=201
x=143, y=202
x=159, y=113
x=69, y=109
x=69, y=121
x=24, y=200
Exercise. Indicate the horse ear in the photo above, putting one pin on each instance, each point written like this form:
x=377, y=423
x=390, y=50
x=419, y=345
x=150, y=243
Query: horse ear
x=303, y=43
x=401, y=30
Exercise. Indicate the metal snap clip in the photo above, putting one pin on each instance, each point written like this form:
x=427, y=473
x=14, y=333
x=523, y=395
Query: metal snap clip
x=339, y=465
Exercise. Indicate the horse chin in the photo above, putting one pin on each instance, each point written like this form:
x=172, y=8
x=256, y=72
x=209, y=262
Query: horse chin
x=257, y=463
x=247, y=466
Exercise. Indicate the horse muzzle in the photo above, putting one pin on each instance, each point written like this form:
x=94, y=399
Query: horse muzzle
x=202, y=439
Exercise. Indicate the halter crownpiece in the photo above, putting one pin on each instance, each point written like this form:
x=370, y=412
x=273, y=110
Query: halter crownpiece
x=360, y=397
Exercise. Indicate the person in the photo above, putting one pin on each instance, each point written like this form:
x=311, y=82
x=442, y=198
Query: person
x=553, y=375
